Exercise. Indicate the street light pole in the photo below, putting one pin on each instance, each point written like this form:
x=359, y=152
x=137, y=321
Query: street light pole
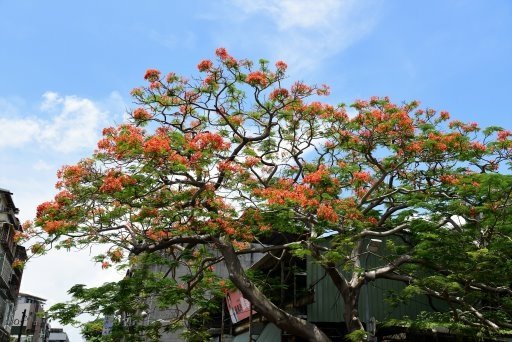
x=23, y=314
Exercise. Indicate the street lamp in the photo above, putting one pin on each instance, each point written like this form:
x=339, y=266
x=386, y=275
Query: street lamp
x=371, y=248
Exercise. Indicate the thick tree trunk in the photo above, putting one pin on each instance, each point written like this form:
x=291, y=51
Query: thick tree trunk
x=351, y=311
x=265, y=307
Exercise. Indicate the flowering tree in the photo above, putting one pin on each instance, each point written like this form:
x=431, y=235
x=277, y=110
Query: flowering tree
x=209, y=165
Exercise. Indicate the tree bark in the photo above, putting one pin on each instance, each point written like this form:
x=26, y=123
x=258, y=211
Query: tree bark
x=351, y=310
x=263, y=305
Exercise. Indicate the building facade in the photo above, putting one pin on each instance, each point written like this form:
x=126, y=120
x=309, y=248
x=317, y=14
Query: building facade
x=29, y=319
x=10, y=253
x=58, y=335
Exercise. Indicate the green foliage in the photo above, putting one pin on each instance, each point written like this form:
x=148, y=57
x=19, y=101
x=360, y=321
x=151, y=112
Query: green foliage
x=92, y=332
x=233, y=158
x=357, y=336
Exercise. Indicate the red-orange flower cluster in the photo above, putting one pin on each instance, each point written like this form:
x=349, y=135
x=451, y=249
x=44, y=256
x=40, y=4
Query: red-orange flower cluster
x=70, y=175
x=301, y=89
x=362, y=176
x=279, y=94
x=449, y=179
x=44, y=207
x=317, y=176
x=228, y=60
x=503, y=135
x=211, y=140
x=121, y=141
x=257, y=78
x=281, y=66
x=157, y=144
x=115, y=181
x=205, y=65
x=54, y=226
x=141, y=114
x=152, y=75
x=327, y=213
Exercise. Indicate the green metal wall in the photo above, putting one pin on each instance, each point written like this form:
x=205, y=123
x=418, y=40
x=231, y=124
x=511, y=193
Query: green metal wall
x=328, y=304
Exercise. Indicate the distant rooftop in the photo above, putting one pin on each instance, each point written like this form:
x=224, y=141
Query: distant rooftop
x=26, y=295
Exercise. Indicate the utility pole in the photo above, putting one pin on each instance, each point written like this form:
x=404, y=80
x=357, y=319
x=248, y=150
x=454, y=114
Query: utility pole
x=23, y=314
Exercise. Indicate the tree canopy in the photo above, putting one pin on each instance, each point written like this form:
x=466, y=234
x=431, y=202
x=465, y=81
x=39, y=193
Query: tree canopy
x=208, y=166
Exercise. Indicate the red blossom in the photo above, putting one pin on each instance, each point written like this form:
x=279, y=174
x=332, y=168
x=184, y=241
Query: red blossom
x=19, y=235
x=115, y=181
x=155, y=85
x=141, y=114
x=301, y=89
x=362, y=176
x=286, y=191
x=372, y=220
x=327, y=213
x=324, y=90
x=449, y=179
x=251, y=161
x=415, y=147
x=281, y=66
x=222, y=53
x=317, y=176
x=157, y=144
x=44, y=207
x=503, y=135
x=70, y=175
x=279, y=94
x=152, y=75
x=228, y=60
x=229, y=166
x=477, y=146
x=257, y=78
x=209, y=80
x=444, y=115
x=126, y=139
x=53, y=226
x=64, y=197
x=205, y=65
x=205, y=140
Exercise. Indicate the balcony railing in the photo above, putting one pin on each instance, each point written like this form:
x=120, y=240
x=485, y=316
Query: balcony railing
x=14, y=287
x=5, y=271
x=7, y=238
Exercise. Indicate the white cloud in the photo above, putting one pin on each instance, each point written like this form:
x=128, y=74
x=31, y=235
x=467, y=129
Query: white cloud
x=306, y=32
x=30, y=153
x=64, y=123
x=289, y=14
x=17, y=132
x=75, y=124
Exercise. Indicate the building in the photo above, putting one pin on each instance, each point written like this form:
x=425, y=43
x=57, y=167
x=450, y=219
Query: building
x=308, y=292
x=10, y=253
x=154, y=313
x=29, y=319
x=58, y=335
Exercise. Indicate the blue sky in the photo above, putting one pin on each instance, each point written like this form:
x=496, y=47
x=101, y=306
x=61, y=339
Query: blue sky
x=67, y=67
